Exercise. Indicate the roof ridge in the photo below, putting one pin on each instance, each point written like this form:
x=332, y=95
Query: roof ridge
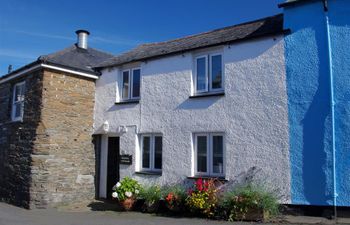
x=211, y=31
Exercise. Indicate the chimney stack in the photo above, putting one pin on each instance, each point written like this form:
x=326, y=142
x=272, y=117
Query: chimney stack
x=82, y=36
x=9, y=69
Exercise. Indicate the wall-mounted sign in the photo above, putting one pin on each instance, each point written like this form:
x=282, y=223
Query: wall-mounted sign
x=125, y=159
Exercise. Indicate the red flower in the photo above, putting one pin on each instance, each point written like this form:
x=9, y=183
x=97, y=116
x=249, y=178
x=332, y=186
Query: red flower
x=199, y=184
x=169, y=197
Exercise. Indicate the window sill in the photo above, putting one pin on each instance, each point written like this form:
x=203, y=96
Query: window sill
x=134, y=101
x=208, y=94
x=155, y=173
x=223, y=179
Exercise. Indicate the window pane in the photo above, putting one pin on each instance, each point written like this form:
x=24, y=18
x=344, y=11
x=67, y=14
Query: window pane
x=201, y=74
x=125, y=89
x=19, y=93
x=201, y=154
x=18, y=110
x=216, y=71
x=218, y=154
x=136, y=83
x=146, y=152
x=158, y=145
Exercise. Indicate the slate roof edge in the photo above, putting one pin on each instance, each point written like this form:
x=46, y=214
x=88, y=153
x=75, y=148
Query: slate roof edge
x=283, y=32
x=159, y=55
x=38, y=63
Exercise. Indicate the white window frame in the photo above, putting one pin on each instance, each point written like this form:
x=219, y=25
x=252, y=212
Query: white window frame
x=211, y=89
x=208, y=75
x=14, y=103
x=131, y=85
x=152, y=152
x=209, y=172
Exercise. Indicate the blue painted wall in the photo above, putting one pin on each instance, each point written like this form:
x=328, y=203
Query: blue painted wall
x=339, y=16
x=308, y=87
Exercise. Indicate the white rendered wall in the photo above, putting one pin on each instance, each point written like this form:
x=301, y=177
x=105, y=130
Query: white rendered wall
x=252, y=114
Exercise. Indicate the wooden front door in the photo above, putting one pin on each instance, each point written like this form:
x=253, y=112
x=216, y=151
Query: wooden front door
x=112, y=164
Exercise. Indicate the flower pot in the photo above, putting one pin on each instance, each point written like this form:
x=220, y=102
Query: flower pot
x=151, y=207
x=253, y=214
x=127, y=204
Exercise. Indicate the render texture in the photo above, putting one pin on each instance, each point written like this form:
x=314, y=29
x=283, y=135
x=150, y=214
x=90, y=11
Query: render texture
x=252, y=115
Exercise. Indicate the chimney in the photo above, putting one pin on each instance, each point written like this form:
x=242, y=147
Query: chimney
x=9, y=69
x=82, y=36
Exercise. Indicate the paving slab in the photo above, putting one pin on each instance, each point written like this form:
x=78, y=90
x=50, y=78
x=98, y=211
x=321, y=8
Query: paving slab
x=98, y=213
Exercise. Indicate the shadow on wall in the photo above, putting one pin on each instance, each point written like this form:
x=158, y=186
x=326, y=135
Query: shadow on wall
x=309, y=112
x=314, y=149
x=198, y=103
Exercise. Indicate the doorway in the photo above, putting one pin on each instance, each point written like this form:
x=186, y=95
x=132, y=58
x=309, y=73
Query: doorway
x=112, y=164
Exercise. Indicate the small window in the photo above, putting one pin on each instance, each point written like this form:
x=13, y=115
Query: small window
x=209, y=154
x=130, y=88
x=18, y=101
x=208, y=73
x=151, y=152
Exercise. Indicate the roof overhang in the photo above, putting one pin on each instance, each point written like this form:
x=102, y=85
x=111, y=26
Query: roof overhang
x=35, y=66
x=295, y=2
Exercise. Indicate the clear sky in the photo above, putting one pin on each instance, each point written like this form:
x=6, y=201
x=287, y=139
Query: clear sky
x=30, y=28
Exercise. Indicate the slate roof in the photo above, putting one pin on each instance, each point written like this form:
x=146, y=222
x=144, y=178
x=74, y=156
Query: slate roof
x=266, y=26
x=73, y=57
x=76, y=58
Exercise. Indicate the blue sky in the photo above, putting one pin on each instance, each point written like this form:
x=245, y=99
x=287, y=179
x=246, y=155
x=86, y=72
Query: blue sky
x=29, y=29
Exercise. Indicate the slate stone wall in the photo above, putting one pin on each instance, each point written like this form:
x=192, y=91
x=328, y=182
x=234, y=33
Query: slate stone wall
x=17, y=140
x=63, y=160
x=48, y=158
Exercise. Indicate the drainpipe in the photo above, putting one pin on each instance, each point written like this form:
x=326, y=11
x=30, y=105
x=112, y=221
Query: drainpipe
x=330, y=64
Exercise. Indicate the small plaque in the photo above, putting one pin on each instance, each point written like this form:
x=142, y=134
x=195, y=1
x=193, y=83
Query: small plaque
x=125, y=159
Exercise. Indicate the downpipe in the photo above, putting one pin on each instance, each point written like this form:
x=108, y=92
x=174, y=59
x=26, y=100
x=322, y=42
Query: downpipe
x=330, y=65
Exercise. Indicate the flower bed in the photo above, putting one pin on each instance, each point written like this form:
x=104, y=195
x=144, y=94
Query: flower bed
x=206, y=198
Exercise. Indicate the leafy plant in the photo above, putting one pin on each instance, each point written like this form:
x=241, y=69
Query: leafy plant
x=249, y=198
x=174, y=197
x=202, y=198
x=151, y=194
x=126, y=188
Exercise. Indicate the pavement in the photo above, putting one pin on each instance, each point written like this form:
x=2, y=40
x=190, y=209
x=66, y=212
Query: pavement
x=98, y=214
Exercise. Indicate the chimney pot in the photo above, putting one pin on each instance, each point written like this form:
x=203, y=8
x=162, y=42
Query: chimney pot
x=82, y=36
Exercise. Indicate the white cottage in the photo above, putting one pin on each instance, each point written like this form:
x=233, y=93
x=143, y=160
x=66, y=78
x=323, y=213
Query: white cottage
x=208, y=105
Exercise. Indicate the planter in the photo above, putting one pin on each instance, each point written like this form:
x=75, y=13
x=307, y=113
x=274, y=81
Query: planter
x=127, y=204
x=253, y=214
x=151, y=207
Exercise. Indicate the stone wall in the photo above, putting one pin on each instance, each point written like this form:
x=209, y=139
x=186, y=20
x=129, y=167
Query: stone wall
x=63, y=158
x=48, y=158
x=17, y=140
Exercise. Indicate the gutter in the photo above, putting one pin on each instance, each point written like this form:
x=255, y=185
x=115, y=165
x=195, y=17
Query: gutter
x=330, y=65
x=38, y=64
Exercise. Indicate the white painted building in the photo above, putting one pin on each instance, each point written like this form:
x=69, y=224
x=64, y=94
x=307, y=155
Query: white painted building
x=209, y=105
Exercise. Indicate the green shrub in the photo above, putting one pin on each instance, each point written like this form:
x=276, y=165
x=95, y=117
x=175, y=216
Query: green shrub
x=247, y=198
x=126, y=188
x=151, y=194
x=174, y=197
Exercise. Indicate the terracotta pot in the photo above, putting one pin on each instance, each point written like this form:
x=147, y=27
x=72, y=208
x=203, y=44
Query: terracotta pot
x=127, y=204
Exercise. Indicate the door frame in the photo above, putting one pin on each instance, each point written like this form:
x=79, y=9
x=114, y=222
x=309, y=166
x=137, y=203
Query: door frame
x=104, y=164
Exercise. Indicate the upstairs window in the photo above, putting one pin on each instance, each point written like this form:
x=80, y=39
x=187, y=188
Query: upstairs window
x=151, y=152
x=130, y=88
x=18, y=101
x=209, y=154
x=208, y=73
